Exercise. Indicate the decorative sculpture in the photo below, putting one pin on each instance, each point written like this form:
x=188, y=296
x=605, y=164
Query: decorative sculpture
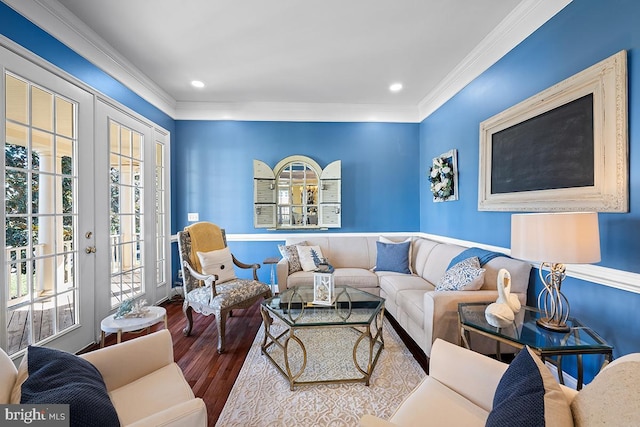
x=132, y=308
x=502, y=312
x=504, y=281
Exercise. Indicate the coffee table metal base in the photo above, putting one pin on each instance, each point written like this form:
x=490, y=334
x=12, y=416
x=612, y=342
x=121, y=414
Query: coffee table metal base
x=370, y=335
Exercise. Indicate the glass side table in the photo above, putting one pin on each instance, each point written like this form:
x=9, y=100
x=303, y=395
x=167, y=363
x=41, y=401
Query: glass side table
x=272, y=261
x=580, y=339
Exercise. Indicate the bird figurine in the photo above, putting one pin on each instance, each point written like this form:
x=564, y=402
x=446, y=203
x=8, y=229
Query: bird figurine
x=504, y=278
x=502, y=312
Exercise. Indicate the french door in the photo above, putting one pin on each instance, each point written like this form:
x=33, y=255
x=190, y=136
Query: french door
x=125, y=183
x=48, y=261
x=86, y=209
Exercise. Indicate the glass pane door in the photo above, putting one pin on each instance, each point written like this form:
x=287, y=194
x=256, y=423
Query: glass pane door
x=41, y=175
x=127, y=216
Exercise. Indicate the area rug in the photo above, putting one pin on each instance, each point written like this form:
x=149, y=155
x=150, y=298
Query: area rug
x=261, y=396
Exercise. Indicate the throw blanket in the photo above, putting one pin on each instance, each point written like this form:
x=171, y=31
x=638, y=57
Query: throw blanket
x=205, y=237
x=483, y=255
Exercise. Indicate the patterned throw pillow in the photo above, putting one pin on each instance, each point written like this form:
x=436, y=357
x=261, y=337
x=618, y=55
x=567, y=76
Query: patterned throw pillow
x=307, y=260
x=464, y=276
x=219, y=263
x=290, y=253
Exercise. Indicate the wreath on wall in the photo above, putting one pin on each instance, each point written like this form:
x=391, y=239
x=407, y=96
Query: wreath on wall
x=442, y=176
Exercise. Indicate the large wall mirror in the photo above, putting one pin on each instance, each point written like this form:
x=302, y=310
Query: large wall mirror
x=297, y=193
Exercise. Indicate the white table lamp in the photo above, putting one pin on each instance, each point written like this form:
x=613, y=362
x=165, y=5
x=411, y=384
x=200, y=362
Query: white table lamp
x=555, y=239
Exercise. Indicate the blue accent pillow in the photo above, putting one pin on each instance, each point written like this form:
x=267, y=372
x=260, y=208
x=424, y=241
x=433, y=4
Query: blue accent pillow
x=59, y=377
x=393, y=257
x=529, y=396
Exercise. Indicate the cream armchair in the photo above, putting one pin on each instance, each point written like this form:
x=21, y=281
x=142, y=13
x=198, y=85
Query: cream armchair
x=461, y=385
x=145, y=385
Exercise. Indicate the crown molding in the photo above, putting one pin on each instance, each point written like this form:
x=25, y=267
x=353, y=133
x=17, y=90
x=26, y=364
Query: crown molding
x=56, y=20
x=523, y=21
x=296, y=112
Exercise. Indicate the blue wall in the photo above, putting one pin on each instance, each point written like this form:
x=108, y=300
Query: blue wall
x=213, y=174
x=213, y=170
x=584, y=33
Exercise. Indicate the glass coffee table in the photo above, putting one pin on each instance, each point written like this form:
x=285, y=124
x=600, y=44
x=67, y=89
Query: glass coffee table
x=320, y=344
x=524, y=331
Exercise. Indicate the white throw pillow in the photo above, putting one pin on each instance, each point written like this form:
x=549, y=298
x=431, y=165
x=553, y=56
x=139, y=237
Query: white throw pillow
x=464, y=276
x=218, y=262
x=408, y=239
x=305, y=253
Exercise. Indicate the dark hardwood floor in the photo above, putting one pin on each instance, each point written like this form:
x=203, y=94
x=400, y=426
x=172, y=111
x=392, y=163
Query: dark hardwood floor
x=212, y=375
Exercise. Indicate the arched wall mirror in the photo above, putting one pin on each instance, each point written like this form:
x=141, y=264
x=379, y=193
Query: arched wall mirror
x=296, y=194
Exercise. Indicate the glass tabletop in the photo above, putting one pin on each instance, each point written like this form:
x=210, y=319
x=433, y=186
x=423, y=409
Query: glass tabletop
x=352, y=307
x=525, y=331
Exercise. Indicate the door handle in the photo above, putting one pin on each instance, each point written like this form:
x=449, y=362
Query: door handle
x=90, y=250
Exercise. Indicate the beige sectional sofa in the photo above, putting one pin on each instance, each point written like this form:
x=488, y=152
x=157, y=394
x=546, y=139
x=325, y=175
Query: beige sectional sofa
x=424, y=313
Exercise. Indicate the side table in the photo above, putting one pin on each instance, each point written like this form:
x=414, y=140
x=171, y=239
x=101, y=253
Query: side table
x=131, y=324
x=524, y=331
x=272, y=261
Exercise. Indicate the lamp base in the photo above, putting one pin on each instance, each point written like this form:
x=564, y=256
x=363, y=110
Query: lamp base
x=552, y=325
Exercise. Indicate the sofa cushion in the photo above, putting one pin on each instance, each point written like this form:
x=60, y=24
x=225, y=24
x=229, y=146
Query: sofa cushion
x=529, y=395
x=218, y=262
x=411, y=303
x=393, y=257
x=466, y=275
x=150, y=394
x=437, y=261
x=355, y=277
x=607, y=399
x=441, y=406
x=392, y=283
x=59, y=377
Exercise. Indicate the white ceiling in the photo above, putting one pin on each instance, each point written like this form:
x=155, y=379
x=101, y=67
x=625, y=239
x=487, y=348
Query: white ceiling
x=297, y=59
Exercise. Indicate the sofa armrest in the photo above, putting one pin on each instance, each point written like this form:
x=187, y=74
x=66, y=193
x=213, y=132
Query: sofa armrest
x=369, y=420
x=441, y=313
x=185, y=414
x=466, y=372
x=128, y=361
x=282, y=271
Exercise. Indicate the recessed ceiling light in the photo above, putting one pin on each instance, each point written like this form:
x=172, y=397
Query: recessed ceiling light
x=396, y=87
x=197, y=83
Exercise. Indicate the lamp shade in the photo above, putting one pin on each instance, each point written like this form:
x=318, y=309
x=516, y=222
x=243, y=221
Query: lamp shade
x=562, y=237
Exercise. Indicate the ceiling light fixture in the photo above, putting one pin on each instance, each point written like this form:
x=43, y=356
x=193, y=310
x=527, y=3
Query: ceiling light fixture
x=395, y=87
x=197, y=83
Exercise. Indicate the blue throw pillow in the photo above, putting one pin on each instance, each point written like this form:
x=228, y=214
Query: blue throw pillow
x=393, y=257
x=529, y=396
x=59, y=377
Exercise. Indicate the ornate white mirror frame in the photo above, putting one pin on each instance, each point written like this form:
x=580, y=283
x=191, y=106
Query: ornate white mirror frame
x=296, y=194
